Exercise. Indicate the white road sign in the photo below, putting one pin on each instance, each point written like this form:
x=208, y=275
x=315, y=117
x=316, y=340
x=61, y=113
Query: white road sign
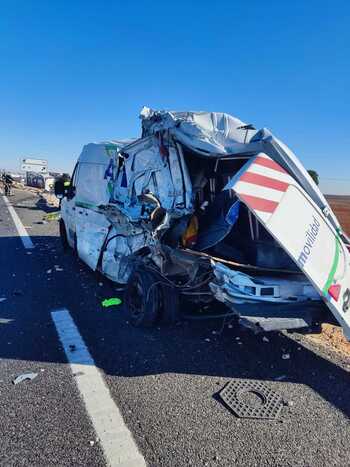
x=34, y=165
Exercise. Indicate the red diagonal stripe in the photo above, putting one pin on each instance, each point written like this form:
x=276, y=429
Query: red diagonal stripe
x=259, y=204
x=262, y=180
x=269, y=163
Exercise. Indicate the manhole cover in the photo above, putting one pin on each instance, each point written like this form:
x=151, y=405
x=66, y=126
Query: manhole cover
x=252, y=399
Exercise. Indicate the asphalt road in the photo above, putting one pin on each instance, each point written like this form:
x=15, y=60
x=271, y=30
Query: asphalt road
x=164, y=380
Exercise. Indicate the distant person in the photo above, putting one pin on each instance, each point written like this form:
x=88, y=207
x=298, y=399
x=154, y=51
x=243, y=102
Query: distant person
x=62, y=185
x=7, y=181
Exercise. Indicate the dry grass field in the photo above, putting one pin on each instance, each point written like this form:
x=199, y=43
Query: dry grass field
x=341, y=207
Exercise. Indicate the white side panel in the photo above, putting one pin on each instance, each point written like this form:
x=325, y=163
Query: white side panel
x=91, y=231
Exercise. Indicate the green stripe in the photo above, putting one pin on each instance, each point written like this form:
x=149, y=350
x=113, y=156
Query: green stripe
x=85, y=205
x=333, y=269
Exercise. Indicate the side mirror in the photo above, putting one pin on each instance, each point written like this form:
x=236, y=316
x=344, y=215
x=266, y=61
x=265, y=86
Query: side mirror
x=59, y=189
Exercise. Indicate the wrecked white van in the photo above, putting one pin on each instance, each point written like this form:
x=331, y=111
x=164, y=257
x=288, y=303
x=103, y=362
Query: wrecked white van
x=205, y=209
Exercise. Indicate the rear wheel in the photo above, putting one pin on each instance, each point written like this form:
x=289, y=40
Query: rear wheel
x=170, y=304
x=63, y=235
x=143, y=298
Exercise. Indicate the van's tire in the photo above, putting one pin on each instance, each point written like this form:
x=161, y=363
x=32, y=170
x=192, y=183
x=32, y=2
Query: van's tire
x=143, y=298
x=170, y=304
x=63, y=235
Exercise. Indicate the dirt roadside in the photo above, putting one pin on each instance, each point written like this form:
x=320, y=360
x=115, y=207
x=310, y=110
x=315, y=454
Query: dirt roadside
x=332, y=336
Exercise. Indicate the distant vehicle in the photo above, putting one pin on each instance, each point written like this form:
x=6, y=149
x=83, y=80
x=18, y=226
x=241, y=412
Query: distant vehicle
x=43, y=181
x=205, y=208
x=34, y=165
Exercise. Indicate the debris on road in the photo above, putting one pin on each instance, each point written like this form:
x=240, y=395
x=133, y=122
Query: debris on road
x=18, y=293
x=251, y=399
x=280, y=378
x=53, y=216
x=265, y=339
x=5, y=320
x=285, y=356
x=111, y=302
x=24, y=377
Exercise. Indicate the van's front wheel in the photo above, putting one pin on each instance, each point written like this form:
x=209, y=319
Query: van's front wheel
x=143, y=298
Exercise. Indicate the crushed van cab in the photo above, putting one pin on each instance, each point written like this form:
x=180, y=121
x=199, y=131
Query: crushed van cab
x=204, y=209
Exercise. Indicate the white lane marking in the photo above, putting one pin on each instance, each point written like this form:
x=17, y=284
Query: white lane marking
x=23, y=234
x=116, y=440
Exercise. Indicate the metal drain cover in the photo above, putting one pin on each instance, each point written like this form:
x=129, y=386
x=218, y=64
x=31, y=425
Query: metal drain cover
x=251, y=399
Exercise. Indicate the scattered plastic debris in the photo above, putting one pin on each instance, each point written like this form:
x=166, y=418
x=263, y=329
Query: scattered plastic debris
x=53, y=216
x=207, y=340
x=238, y=338
x=91, y=443
x=49, y=271
x=230, y=326
x=111, y=301
x=2, y=299
x=24, y=377
x=280, y=378
x=5, y=320
x=18, y=293
x=286, y=356
x=100, y=284
x=265, y=339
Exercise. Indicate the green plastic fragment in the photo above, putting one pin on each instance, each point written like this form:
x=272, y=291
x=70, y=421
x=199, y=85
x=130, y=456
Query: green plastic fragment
x=111, y=301
x=53, y=216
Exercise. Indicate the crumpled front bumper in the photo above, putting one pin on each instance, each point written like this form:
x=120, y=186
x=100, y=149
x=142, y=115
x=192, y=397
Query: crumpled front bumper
x=263, y=312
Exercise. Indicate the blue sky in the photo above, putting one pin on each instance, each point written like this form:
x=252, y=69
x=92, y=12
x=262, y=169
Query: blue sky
x=72, y=72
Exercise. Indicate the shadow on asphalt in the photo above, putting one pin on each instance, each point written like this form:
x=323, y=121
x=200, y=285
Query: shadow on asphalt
x=122, y=350
x=40, y=205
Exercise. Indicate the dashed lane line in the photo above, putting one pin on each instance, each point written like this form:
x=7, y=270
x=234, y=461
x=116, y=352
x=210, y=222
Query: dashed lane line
x=23, y=234
x=115, y=438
